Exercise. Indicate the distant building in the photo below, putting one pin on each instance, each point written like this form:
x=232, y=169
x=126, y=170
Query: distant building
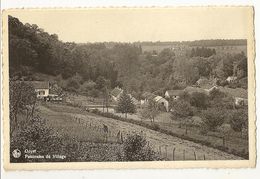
x=158, y=99
x=42, y=88
x=163, y=102
x=115, y=93
x=174, y=94
x=190, y=90
x=231, y=79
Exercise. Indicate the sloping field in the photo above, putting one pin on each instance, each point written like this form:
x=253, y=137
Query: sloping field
x=164, y=144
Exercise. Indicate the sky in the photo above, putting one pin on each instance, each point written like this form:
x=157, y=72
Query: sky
x=130, y=25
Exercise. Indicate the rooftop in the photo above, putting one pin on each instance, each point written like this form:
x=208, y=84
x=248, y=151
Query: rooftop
x=174, y=92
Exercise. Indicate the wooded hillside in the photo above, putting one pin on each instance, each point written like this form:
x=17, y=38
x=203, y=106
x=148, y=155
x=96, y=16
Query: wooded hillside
x=90, y=68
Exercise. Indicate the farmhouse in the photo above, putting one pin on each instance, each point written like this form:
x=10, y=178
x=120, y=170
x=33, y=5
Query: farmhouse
x=42, y=88
x=158, y=99
x=115, y=93
x=231, y=79
x=174, y=94
x=190, y=90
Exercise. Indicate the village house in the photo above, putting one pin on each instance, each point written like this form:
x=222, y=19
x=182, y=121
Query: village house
x=190, y=90
x=174, y=94
x=115, y=93
x=231, y=79
x=42, y=88
x=158, y=99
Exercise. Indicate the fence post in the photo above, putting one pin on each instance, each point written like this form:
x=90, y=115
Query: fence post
x=173, y=153
x=204, y=157
x=184, y=154
x=160, y=151
x=166, y=152
x=195, y=156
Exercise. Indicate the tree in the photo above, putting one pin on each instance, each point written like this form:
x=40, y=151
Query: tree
x=239, y=120
x=136, y=148
x=199, y=100
x=212, y=118
x=22, y=98
x=150, y=111
x=125, y=104
x=216, y=93
x=182, y=110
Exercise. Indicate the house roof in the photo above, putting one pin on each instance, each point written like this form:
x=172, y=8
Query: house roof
x=237, y=92
x=190, y=90
x=158, y=98
x=40, y=84
x=174, y=92
x=116, y=91
x=148, y=95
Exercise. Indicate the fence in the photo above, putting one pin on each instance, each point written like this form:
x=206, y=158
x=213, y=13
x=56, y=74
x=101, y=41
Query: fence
x=109, y=136
x=173, y=153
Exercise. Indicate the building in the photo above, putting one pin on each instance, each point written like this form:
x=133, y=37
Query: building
x=146, y=97
x=163, y=102
x=231, y=79
x=190, y=90
x=174, y=94
x=115, y=93
x=42, y=88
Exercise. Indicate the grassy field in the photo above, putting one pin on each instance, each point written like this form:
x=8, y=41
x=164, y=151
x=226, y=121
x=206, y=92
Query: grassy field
x=234, y=143
x=77, y=121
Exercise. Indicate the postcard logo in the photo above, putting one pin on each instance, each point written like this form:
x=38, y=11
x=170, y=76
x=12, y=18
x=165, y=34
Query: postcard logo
x=16, y=153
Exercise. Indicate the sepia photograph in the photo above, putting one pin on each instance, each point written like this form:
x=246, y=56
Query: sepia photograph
x=130, y=86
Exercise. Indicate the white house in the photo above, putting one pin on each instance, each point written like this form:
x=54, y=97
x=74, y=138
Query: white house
x=158, y=99
x=115, y=93
x=42, y=88
x=231, y=79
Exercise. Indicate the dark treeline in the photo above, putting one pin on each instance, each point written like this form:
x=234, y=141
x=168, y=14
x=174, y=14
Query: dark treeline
x=208, y=43
x=202, y=52
x=92, y=67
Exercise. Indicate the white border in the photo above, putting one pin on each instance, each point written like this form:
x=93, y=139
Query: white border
x=176, y=173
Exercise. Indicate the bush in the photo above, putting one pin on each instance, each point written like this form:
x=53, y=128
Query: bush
x=182, y=109
x=36, y=135
x=199, y=100
x=238, y=120
x=212, y=118
x=136, y=148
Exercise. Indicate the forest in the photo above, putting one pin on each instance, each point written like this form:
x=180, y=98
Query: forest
x=89, y=68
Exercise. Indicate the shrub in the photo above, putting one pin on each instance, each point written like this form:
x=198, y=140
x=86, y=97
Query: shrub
x=199, y=100
x=182, y=109
x=136, y=148
x=238, y=120
x=36, y=135
x=212, y=118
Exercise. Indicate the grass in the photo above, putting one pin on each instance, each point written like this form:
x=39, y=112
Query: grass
x=234, y=145
x=72, y=127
